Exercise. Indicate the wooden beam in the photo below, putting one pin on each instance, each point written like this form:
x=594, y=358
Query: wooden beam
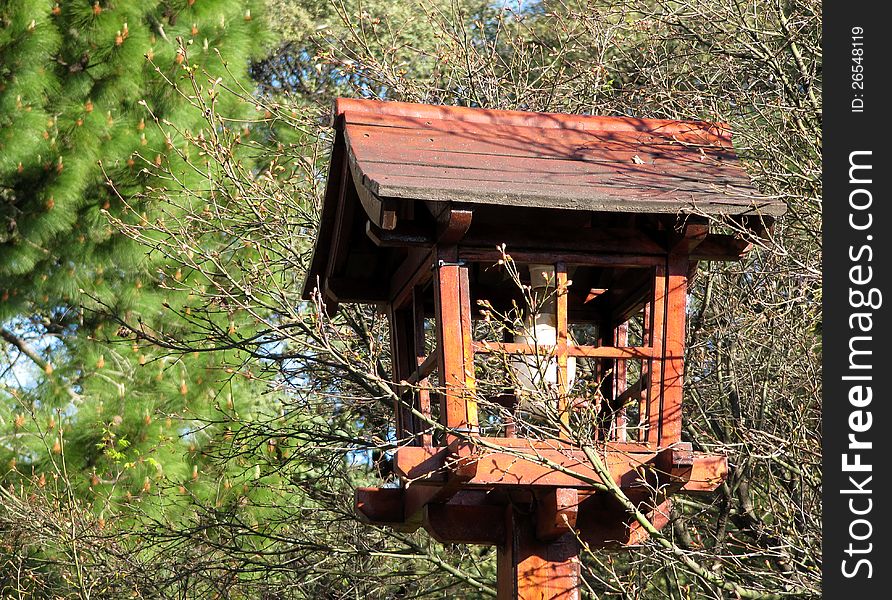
x=539, y=236
x=693, y=235
x=707, y=473
x=467, y=341
x=627, y=352
x=544, y=466
x=425, y=438
x=561, y=349
x=540, y=467
x=633, y=302
x=452, y=307
x=415, y=270
x=655, y=367
x=465, y=523
x=631, y=393
x=612, y=527
x=556, y=512
x=427, y=366
x=620, y=384
x=419, y=496
x=530, y=569
x=407, y=234
x=381, y=507
x=721, y=247
x=673, y=355
x=521, y=255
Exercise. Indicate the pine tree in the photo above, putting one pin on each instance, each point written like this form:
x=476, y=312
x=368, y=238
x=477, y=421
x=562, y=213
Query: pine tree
x=91, y=99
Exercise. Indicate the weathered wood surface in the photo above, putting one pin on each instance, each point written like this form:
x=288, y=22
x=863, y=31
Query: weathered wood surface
x=416, y=196
x=629, y=352
x=476, y=517
x=531, y=569
x=544, y=160
x=544, y=464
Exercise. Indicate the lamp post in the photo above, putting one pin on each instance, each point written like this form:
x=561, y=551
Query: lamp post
x=418, y=202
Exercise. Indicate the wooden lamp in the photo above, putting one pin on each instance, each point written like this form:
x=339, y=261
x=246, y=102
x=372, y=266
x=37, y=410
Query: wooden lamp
x=426, y=208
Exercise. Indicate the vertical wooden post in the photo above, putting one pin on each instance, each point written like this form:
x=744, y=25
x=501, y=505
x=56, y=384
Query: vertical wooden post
x=673, y=344
x=467, y=343
x=423, y=395
x=561, y=349
x=606, y=378
x=620, y=383
x=401, y=342
x=456, y=365
x=655, y=368
x=646, y=366
x=530, y=569
x=668, y=328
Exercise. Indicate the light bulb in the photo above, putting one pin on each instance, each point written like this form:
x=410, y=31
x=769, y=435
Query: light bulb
x=537, y=373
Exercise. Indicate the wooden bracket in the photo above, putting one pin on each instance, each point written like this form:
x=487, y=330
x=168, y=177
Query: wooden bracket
x=461, y=523
x=680, y=468
x=452, y=225
x=760, y=225
x=692, y=236
x=556, y=512
x=675, y=464
x=463, y=460
x=382, y=507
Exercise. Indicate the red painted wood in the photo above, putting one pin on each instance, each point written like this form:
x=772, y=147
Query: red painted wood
x=530, y=569
x=419, y=174
x=465, y=523
x=492, y=256
x=377, y=147
x=655, y=365
x=625, y=352
x=467, y=340
x=423, y=115
x=379, y=505
x=403, y=360
x=673, y=361
x=646, y=370
x=538, y=172
x=620, y=385
x=590, y=193
x=453, y=311
x=614, y=528
x=562, y=346
x=535, y=467
x=424, y=436
x=557, y=510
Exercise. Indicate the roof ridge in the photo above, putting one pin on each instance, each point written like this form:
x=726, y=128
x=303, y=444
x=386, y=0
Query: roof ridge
x=427, y=112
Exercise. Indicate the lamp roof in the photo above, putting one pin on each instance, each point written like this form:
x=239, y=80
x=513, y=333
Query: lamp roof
x=393, y=161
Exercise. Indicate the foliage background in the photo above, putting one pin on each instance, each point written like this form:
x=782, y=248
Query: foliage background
x=177, y=422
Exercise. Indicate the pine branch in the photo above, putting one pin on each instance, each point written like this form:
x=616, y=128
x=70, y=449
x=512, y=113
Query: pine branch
x=32, y=354
x=25, y=348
